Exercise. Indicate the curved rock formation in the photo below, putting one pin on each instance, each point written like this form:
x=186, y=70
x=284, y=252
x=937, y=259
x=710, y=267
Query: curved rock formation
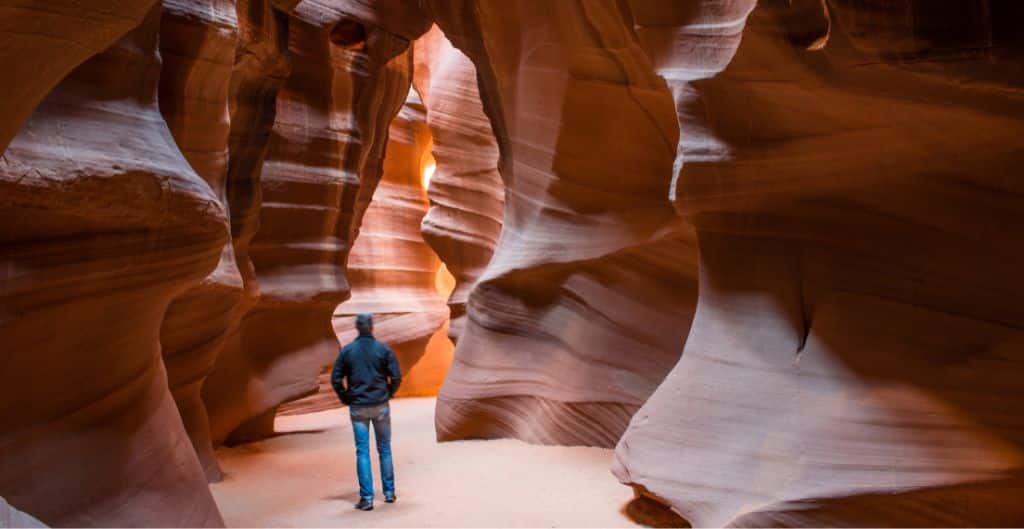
x=570, y=328
x=260, y=69
x=104, y=222
x=467, y=196
x=853, y=356
x=45, y=39
x=11, y=517
x=197, y=45
x=392, y=270
x=347, y=80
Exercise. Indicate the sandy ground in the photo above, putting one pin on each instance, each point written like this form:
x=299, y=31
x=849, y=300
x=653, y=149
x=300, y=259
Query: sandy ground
x=306, y=478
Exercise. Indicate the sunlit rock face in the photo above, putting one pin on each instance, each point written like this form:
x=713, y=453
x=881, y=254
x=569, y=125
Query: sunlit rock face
x=197, y=45
x=467, y=196
x=854, y=356
x=392, y=271
x=104, y=222
x=322, y=162
x=586, y=302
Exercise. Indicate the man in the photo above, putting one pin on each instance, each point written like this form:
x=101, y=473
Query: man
x=366, y=375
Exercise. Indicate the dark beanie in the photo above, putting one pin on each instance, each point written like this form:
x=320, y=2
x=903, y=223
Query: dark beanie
x=364, y=322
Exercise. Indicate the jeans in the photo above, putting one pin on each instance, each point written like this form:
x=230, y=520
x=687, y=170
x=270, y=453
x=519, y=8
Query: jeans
x=380, y=415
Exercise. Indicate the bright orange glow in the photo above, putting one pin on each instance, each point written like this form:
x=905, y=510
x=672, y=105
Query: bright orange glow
x=429, y=166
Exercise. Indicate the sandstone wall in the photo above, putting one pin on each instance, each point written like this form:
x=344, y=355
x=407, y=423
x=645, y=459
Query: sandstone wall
x=197, y=45
x=323, y=158
x=104, y=223
x=392, y=270
x=467, y=196
x=569, y=327
x=851, y=359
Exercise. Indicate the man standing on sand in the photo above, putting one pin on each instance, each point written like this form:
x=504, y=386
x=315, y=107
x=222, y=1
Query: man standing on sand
x=366, y=375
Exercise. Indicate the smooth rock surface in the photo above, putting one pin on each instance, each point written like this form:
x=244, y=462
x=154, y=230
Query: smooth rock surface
x=197, y=45
x=12, y=517
x=854, y=354
x=569, y=328
x=323, y=160
x=467, y=196
x=44, y=40
x=104, y=222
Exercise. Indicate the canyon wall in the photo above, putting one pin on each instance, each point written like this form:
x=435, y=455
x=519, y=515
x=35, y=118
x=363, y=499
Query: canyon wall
x=44, y=40
x=323, y=159
x=569, y=327
x=104, y=223
x=392, y=270
x=197, y=45
x=467, y=195
x=852, y=360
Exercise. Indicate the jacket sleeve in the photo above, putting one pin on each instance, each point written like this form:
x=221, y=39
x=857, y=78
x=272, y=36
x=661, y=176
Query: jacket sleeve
x=394, y=372
x=337, y=374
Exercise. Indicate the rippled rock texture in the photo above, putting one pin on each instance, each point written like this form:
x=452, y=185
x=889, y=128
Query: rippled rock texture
x=569, y=327
x=345, y=81
x=197, y=45
x=104, y=223
x=392, y=272
x=44, y=40
x=467, y=195
x=854, y=354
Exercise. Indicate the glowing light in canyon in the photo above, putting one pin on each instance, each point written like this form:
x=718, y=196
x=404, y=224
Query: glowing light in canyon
x=429, y=166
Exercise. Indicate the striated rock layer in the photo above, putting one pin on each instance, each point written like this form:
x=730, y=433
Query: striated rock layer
x=44, y=40
x=197, y=45
x=854, y=354
x=103, y=224
x=467, y=196
x=322, y=162
x=391, y=270
x=586, y=301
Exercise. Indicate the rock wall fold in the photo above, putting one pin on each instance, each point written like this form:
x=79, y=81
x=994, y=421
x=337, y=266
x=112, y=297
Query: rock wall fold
x=44, y=40
x=467, y=196
x=104, y=223
x=197, y=45
x=849, y=362
x=347, y=79
x=585, y=303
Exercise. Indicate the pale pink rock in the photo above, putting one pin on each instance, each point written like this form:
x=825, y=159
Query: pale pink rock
x=467, y=196
x=569, y=327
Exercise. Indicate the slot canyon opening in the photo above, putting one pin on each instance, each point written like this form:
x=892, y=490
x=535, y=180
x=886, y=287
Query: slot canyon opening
x=820, y=327
x=396, y=276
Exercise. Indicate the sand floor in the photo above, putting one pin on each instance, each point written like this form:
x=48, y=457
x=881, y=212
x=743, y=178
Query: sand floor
x=306, y=478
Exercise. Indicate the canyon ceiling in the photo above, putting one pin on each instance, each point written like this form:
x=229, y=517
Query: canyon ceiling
x=769, y=251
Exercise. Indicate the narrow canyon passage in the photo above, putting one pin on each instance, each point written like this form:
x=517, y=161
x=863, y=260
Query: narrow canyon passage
x=305, y=477
x=709, y=262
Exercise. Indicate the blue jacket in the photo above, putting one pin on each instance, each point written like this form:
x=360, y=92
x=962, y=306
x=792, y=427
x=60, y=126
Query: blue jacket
x=366, y=365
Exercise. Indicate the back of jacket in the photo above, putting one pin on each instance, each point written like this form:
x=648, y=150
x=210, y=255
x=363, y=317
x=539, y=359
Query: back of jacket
x=366, y=364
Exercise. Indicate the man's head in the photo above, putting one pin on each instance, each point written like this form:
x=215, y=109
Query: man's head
x=364, y=323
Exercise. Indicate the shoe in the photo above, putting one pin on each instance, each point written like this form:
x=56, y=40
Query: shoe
x=365, y=505
x=389, y=498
